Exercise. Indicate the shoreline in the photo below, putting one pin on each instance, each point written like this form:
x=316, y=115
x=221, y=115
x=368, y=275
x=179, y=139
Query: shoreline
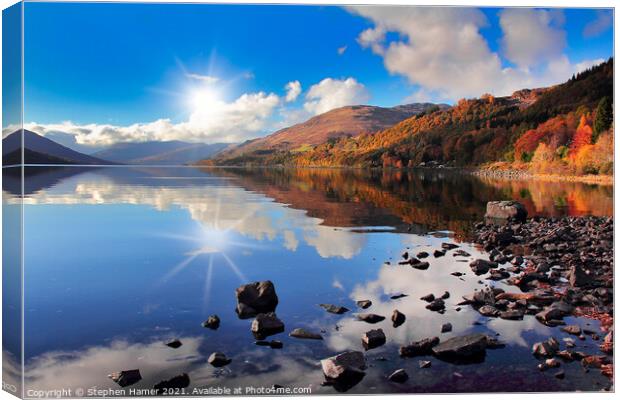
x=515, y=174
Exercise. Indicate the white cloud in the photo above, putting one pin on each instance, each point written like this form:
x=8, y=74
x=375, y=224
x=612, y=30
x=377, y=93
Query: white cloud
x=293, y=90
x=341, y=50
x=218, y=121
x=531, y=36
x=582, y=66
x=442, y=51
x=333, y=93
x=204, y=78
x=604, y=20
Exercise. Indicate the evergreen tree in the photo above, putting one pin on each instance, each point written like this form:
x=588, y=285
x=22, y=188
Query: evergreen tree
x=603, y=118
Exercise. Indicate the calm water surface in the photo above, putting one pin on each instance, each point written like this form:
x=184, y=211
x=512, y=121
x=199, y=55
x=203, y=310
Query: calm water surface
x=119, y=260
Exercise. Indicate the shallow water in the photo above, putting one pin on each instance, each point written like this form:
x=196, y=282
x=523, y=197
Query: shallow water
x=119, y=260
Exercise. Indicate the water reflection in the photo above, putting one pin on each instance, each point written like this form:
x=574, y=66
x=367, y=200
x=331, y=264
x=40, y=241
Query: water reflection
x=143, y=255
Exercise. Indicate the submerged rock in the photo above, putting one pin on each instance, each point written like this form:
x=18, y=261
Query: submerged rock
x=447, y=327
x=398, y=318
x=266, y=325
x=422, y=254
x=428, y=298
x=421, y=265
x=331, y=308
x=256, y=298
x=218, y=359
x=213, y=322
x=370, y=318
x=424, y=364
x=437, y=305
x=481, y=266
x=572, y=329
x=126, y=378
x=398, y=296
x=300, y=333
x=449, y=246
x=373, y=339
x=364, y=304
x=547, y=348
x=177, y=382
x=399, y=376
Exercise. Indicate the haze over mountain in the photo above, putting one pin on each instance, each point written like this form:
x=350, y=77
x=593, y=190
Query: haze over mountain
x=349, y=121
x=41, y=150
x=160, y=153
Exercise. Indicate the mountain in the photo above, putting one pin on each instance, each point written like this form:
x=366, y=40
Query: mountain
x=341, y=122
x=162, y=153
x=563, y=129
x=41, y=150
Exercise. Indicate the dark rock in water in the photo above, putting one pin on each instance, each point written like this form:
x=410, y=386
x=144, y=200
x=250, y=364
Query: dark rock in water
x=421, y=265
x=304, y=334
x=370, y=318
x=398, y=296
x=422, y=254
x=449, y=246
x=126, y=378
x=457, y=274
x=481, y=266
x=398, y=318
x=428, y=298
x=330, y=308
x=439, y=253
x=405, y=255
x=266, y=325
x=213, y=322
x=256, y=298
x=506, y=210
x=424, y=364
x=218, y=359
x=577, y=277
x=556, y=311
x=447, y=327
x=399, y=376
x=488, y=311
x=461, y=253
x=572, y=329
x=373, y=339
x=548, y=348
x=462, y=347
x=178, y=382
x=436, y=305
x=420, y=348
x=276, y=344
x=512, y=314
x=560, y=374
x=175, y=344
x=445, y=295
x=364, y=304
x=344, y=370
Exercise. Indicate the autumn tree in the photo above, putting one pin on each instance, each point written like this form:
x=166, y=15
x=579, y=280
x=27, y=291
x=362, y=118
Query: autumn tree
x=582, y=136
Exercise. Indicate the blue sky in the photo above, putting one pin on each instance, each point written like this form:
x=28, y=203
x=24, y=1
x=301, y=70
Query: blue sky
x=103, y=73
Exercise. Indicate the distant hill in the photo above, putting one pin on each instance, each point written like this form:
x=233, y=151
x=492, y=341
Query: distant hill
x=41, y=150
x=162, y=153
x=349, y=121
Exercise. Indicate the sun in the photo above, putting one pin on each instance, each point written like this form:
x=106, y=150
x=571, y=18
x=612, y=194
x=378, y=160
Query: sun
x=205, y=99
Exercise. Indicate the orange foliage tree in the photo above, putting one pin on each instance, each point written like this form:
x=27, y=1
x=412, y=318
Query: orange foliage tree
x=582, y=137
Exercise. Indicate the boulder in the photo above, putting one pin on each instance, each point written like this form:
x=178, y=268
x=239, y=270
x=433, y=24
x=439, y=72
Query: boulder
x=370, y=318
x=449, y=246
x=421, y=265
x=447, y=327
x=175, y=343
x=345, y=369
x=428, y=298
x=213, y=322
x=218, y=359
x=126, y=378
x=437, y=305
x=439, y=253
x=420, y=348
x=572, y=329
x=399, y=376
x=373, y=339
x=422, y=254
x=462, y=347
x=177, y=382
x=255, y=298
x=300, y=333
x=481, y=266
x=266, y=324
x=331, y=308
x=364, y=304
x=398, y=318
x=577, y=277
x=424, y=364
x=505, y=210
x=547, y=348
x=488, y=311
